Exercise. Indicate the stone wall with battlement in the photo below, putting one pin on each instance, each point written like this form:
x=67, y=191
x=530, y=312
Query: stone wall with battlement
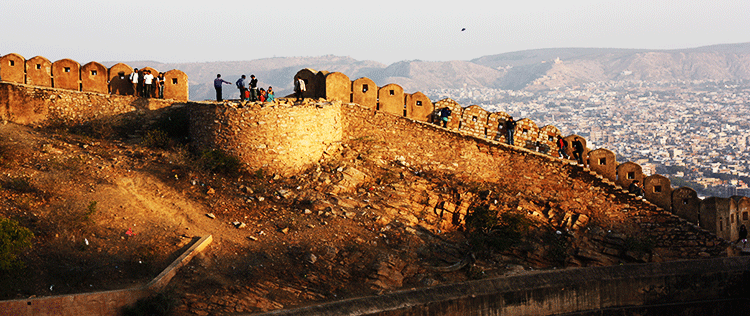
x=288, y=138
x=91, y=77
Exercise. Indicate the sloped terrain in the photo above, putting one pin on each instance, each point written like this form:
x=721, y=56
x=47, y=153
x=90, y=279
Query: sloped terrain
x=111, y=213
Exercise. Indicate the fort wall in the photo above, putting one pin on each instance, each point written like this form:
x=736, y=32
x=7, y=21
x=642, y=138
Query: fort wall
x=91, y=77
x=716, y=284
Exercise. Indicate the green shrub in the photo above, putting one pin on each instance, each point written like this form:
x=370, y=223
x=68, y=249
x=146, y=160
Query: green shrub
x=156, y=139
x=487, y=231
x=220, y=162
x=14, y=238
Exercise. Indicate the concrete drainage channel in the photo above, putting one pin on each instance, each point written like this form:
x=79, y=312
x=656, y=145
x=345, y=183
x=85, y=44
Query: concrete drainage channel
x=100, y=303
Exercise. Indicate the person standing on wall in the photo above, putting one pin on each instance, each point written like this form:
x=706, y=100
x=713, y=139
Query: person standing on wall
x=562, y=147
x=242, y=86
x=510, y=126
x=134, y=81
x=299, y=88
x=253, y=88
x=445, y=114
x=743, y=235
x=217, y=85
x=578, y=150
x=160, y=84
x=148, y=83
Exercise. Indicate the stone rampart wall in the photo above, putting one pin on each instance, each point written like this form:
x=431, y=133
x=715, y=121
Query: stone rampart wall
x=478, y=122
x=592, y=291
x=278, y=137
x=34, y=105
x=91, y=77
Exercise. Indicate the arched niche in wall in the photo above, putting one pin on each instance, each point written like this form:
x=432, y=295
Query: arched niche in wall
x=94, y=78
x=12, y=68
x=548, y=136
x=39, y=71
x=474, y=121
x=686, y=204
x=657, y=189
x=527, y=134
x=310, y=77
x=419, y=107
x=604, y=162
x=391, y=99
x=66, y=74
x=496, y=124
x=365, y=93
x=627, y=173
x=454, y=121
x=338, y=87
x=176, y=85
x=119, y=79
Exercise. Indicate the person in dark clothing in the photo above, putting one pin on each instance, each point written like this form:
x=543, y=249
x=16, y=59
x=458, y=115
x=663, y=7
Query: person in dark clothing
x=217, y=85
x=445, y=114
x=253, y=88
x=635, y=188
x=510, y=126
x=578, y=150
x=562, y=147
x=242, y=86
x=743, y=235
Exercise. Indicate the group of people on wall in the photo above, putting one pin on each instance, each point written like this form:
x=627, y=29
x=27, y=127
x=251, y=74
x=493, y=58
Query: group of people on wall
x=510, y=129
x=248, y=89
x=146, y=85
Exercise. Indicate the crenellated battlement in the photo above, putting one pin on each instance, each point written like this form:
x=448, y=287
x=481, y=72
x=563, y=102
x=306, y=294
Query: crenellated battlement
x=91, y=77
x=287, y=137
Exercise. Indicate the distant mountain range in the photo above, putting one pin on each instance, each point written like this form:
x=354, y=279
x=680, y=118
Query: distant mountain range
x=529, y=69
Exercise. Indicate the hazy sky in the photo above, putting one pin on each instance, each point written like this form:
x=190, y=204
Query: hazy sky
x=385, y=31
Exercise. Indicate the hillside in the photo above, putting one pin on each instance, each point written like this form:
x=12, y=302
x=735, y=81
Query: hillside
x=359, y=222
x=531, y=69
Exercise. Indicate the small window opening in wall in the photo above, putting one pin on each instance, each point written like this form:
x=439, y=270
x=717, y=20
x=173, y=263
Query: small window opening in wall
x=550, y=138
x=67, y=69
x=12, y=63
x=603, y=161
x=525, y=131
x=744, y=216
x=392, y=92
x=721, y=225
x=657, y=189
x=731, y=219
x=365, y=88
x=684, y=201
x=474, y=118
x=631, y=175
x=38, y=66
x=419, y=103
x=174, y=80
x=93, y=72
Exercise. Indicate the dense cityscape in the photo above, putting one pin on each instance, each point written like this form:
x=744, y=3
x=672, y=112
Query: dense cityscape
x=693, y=132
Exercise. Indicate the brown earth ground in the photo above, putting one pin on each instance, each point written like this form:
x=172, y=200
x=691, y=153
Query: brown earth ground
x=278, y=242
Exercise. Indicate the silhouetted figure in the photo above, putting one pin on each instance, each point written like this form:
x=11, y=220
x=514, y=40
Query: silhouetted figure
x=578, y=150
x=253, y=88
x=299, y=88
x=242, y=86
x=562, y=147
x=635, y=188
x=217, y=85
x=743, y=235
x=510, y=126
x=445, y=114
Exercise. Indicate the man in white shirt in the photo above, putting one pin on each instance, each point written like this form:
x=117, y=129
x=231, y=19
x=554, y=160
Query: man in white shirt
x=148, y=81
x=134, y=81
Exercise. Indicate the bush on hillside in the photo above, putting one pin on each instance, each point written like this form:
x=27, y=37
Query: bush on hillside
x=14, y=239
x=488, y=231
